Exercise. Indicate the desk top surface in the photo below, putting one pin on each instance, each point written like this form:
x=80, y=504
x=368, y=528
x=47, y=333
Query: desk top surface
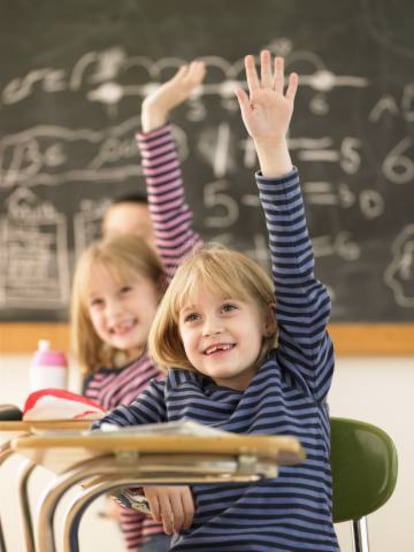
x=31, y=426
x=58, y=451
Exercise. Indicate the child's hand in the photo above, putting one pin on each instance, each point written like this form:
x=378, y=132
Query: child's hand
x=267, y=111
x=157, y=106
x=173, y=506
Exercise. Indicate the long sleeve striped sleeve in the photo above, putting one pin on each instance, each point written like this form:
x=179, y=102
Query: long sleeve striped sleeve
x=302, y=302
x=170, y=214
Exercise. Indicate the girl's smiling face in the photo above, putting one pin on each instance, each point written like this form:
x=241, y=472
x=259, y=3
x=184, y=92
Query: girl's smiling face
x=222, y=337
x=121, y=312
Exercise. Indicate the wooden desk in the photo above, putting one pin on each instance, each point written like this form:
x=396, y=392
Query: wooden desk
x=110, y=461
x=34, y=426
x=12, y=429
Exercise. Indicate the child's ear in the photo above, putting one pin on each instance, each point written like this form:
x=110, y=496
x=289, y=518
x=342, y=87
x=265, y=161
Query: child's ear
x=269, y=325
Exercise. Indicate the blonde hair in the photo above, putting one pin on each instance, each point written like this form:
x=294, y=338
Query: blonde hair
x=217, y=269
x=125, y=256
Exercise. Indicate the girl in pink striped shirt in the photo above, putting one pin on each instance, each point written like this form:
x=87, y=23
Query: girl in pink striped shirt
x=119, y=281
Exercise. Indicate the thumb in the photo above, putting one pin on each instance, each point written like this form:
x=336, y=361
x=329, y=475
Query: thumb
x=242, y=98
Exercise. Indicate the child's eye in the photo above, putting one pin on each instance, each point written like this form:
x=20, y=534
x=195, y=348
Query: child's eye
x=126, y=289
x=96, y=302
x=191, y=317
x=228, y=307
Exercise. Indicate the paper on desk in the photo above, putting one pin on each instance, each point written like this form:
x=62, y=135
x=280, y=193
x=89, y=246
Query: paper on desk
x=185, y=427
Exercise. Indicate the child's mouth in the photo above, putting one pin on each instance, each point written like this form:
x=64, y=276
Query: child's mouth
x=219, y=348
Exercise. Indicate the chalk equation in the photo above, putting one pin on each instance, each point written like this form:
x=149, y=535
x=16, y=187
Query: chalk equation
x=54, y=155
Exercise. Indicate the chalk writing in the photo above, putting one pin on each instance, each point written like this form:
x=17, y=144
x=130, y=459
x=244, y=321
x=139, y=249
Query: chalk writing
x=352, y=137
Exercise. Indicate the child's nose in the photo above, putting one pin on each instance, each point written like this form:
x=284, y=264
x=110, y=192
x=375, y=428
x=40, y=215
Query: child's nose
x=212, y=326
x=113, y=308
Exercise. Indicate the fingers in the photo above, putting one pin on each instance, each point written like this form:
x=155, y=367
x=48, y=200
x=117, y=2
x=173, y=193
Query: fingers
x=251, y=74
x=161, y=509
x=196, y=72
x=274, y=80
x=266, y=68
x=243, y=99
x=167, y=514
x=190, y=76
x=155, y=506
x=188, y=508
x=292, y=86
x=278, y=75
x=172, y=506
x=177, y=509
x=181, y=71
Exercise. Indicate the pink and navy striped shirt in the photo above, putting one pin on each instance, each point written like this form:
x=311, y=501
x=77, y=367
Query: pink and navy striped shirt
x=175, y=238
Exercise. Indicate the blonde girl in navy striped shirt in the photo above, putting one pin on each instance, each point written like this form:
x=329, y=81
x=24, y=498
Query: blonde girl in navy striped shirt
x=215, y=330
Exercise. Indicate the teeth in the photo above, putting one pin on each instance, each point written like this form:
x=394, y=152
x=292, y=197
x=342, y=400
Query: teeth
x=122, y=327
x=215, y=348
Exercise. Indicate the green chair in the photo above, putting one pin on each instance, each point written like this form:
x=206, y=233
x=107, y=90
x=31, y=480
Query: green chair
x=364, y=471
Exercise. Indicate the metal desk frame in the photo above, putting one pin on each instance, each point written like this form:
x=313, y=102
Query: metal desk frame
x=103, y=461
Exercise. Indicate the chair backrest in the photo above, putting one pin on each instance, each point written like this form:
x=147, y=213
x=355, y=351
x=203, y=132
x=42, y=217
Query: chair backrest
x=364, y=468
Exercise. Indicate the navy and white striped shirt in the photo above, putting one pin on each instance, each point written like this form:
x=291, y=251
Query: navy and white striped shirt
x=287, y=396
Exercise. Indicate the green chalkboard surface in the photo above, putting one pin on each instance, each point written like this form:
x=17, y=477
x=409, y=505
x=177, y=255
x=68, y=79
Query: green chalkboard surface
x=73, y=76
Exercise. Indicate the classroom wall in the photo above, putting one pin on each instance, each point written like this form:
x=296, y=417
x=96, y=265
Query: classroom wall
x=375, y=389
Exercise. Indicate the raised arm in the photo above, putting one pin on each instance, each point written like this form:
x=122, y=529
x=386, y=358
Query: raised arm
x=303, y=305
x=171, y=216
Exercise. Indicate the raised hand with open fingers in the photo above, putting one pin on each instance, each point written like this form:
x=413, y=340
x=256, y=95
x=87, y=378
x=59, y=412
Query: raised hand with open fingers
x=157, y=105
x=267, y=108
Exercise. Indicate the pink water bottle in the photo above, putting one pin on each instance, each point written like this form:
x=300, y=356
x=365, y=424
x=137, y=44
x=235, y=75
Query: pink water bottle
x=49, y=368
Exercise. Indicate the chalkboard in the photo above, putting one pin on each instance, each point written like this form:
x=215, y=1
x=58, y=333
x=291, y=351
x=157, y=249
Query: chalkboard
x=73, y=76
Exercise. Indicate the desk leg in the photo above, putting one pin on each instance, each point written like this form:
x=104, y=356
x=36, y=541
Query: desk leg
x=5, y=452
x=2, y=543
x=45, y=541
x=79, y=505
x=24, y=474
